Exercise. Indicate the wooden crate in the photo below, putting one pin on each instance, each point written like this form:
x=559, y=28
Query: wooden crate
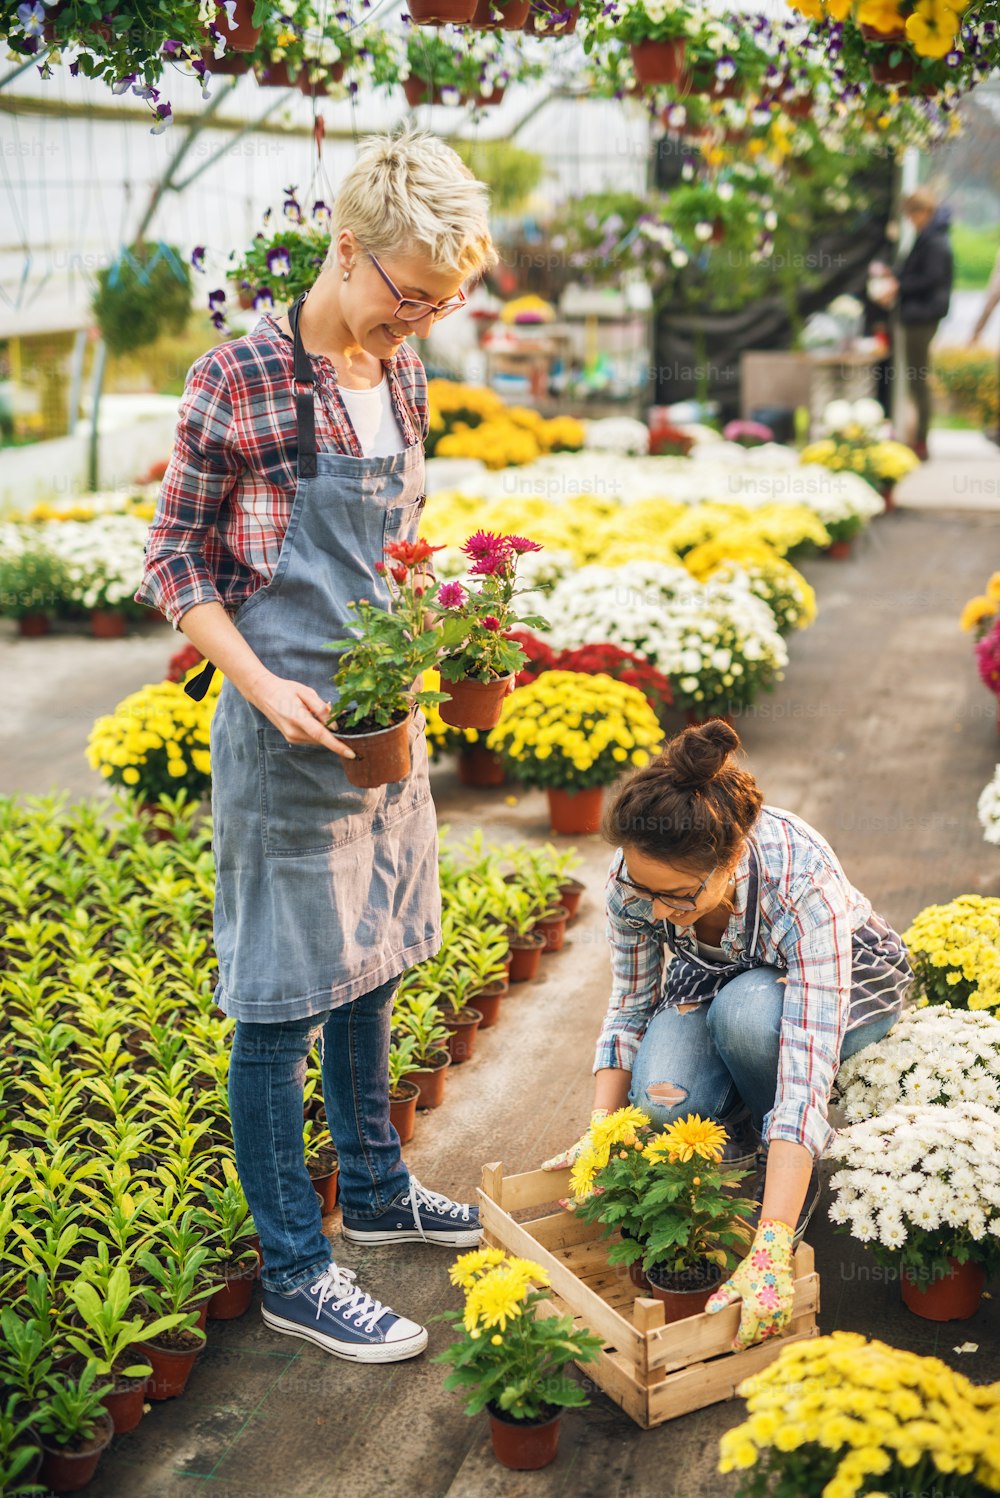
x=653, y=1370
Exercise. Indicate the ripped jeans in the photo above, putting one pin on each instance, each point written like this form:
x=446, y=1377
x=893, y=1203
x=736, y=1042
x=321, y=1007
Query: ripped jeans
x=722, y=1057
x=267, y=1072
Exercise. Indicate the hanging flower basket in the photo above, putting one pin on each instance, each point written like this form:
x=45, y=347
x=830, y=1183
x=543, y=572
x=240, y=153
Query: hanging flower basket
x=875, y=34
x=275, y=75
x=496, y=97
x=886, y=72
x=494, y=15
x=242, y=35
x=658, y=61
x=230, y=64
x=333, y=74
x=441, y=12
x=546, y=18
x=711, y=86
x=421, y=91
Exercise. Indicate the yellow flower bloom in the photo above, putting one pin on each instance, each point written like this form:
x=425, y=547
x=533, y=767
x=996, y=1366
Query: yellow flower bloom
x=932, y=28
x=690, y=1136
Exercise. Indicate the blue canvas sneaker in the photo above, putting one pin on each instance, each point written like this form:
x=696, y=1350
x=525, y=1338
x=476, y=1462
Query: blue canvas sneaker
x=340, y=1318
x=418, y=1216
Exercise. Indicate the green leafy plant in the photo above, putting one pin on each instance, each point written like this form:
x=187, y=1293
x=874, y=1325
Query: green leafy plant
x=145, y=292
x=73, y=1408
x=402, y=1061
x=225, y=1218
x=17, y=1447
x=110, y=1332
x=32, y=581
x=506, y=1355
x=416, y=1014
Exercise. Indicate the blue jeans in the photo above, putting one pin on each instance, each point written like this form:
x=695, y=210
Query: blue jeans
x=267, y=1074
x=724, y=1054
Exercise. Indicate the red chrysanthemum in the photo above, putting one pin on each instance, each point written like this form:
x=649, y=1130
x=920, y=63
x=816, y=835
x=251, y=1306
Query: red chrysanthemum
x=411, y=553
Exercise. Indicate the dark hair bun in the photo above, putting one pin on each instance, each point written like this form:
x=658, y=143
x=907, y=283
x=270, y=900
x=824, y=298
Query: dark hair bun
x=696, y=756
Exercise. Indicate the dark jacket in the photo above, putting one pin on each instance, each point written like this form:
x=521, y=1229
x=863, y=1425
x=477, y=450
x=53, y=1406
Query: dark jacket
x=926, y=276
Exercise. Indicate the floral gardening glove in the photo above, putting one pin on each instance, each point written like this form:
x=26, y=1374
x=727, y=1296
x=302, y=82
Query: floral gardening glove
x=570, y=1156
x=763, y=1282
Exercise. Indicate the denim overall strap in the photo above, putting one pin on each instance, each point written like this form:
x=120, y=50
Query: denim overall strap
x=324, y=890
x=693, y=979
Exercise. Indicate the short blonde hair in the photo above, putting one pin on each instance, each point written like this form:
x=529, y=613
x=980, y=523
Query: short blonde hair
x=922, y=199
x=408, y=192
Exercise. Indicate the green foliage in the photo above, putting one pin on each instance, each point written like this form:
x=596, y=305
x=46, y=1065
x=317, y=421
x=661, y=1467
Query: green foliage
x=73, y=1407
x=975, y=249
x=33, y=581
x=145, y=292
x=511, y=173
x=969, y=377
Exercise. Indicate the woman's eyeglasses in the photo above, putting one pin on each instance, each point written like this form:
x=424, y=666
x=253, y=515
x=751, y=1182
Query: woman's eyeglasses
x=408, y=309
x=673, y=902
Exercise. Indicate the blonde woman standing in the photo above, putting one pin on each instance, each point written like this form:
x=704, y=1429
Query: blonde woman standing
x=298, y=456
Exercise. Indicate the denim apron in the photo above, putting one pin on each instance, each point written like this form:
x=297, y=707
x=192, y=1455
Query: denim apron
x=693, y=979
x=323, y=890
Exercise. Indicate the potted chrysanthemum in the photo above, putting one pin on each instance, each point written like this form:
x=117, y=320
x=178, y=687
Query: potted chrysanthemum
x=480, y=674
x=572, y=734
x=668, y=1197
x=954, y=950
x=510, y=1360
x=921, y=1186
x=378, y=678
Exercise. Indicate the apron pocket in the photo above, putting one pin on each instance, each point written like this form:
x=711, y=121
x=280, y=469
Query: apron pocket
x=402, y=521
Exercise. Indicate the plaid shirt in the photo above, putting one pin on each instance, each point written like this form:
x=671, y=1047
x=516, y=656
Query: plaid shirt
x=844, y=966
x=227, y=493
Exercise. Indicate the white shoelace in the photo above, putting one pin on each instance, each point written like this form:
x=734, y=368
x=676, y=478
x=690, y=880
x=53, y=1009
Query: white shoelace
x=335, y=1281
x=418, y=1196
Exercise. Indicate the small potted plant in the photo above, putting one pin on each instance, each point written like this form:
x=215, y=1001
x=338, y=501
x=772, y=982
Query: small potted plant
x=379, y=675
x=171, y=1289
x=526, y=944
x=435, y=71
x=921, y=1186
x=74, y=1427
x=20, y=1453
x=403, y=1094
x=322, y=1162
x=510, y=1360
x=416, y=1014
x=156, y=742
x=280, y=264
x=953, y=953
x=657, y=35
x=229, y=1232
x=479, y=675
x=670, y=1200
x=572, y=734
x=110, y=1339
x=33, y=584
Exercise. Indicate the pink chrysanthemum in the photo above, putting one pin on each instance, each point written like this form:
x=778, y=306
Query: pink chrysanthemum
x=521, y=544
x=451, y=595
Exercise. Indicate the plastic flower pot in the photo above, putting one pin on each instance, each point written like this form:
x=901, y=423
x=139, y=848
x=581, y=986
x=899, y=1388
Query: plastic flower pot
x=954, y=1296
x=572, y=813
x=255, y=1245
x=479, y=767
x=127, y=1399
x=230, y=64
x=524, y=1445
x=514, y=15
x=149, y=809
x=403, y=1110
x=711, y=86
x=550, y=18
x=885, y=72
x=33, y=626
x=421, y=91
x=474, y=704
x=888, y=493
x=275, y=75
x=243, y=36
x=172, y=1358
x=383, y=757
x=324, y=1172
x=430, y=1080
x=234, y=1295
x=484, y=100
x=440, y=12
x=552, y=926
x=570, y=895
x=685, y=1293
x=462, y=1028
x=67, y=1470
x=333, y=74
x=488, y=1001
x=526, y=954
x=658, y=61
x=107, y=624
x=874, y=34
x=839, y=550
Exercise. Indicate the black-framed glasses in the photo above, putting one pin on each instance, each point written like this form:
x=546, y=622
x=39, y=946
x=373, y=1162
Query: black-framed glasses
x=673, y=902
x=408, y=309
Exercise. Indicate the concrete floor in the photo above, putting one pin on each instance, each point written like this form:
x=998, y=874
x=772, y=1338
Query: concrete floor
x=882, y=737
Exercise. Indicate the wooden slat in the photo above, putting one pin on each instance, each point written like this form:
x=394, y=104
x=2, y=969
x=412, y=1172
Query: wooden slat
x=597, y=1314
x=609, y=1371
x=562, y=1230
x=705, y=1336
x=706, y=1383
x=534, y=1188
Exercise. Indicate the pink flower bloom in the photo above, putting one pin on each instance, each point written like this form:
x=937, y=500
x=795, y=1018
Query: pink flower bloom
x=491, y=622
x=520, y=544
x=489, y=552
x=451, y=595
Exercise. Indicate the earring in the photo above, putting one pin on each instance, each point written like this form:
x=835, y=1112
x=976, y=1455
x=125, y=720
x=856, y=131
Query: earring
x=346, y=275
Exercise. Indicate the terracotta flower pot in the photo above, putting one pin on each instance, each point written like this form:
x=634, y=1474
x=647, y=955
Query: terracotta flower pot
x=243, y=36
x=33, y=626
x=712, y=87
x=637, y=1275
x=526, y=954
x=230, y=64
x=324, y=1172
x=403, y=1110
x=479, y=767
x=333, y=74
x=172, y=1364
x=553, y=927
x=954, y=1296
x=570, y=895
x=515, y=13
x=885, y=72
x=524, y=1445
x=572, y=813
x=125, y=1402
x=108, y=624
x=888, y=493
x=245, y=298
x=462, y=1028
x=65, y=1470
x=658, y=61
x=441, y=12
x=430, y=1079
x=488, y=1002
x=421, y=91
x=839, y=550
x=383, y=757
x=474, y=704
x=483, y=101
x=233, y=1297
x=550, y=18
x=683, y=1294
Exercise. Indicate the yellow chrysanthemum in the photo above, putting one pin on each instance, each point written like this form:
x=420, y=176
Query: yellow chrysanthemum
x=977, y=609
x=467, y=1268
x=688, y=1137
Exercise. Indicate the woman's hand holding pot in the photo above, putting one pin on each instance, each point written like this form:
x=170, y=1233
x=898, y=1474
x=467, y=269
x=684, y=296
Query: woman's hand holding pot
x=298, y=712
x=763, y=1282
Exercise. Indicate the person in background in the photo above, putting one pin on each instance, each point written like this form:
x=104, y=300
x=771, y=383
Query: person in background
x=990, y=302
